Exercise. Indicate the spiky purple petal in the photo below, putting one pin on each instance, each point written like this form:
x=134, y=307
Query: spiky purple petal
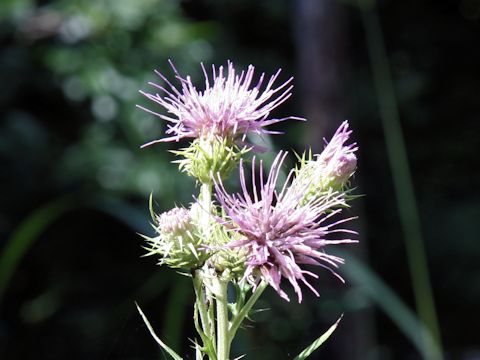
x=230, y=106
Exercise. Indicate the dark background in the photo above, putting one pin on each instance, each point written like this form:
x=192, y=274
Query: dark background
x=75, y=185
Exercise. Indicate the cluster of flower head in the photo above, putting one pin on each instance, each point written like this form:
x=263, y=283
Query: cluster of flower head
x=270, y=231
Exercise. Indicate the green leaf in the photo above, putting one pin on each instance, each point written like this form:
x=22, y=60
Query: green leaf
x=170, y=351
x=317, y=343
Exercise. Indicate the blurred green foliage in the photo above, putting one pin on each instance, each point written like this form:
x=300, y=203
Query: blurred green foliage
x=73, y=70
x=98, y=54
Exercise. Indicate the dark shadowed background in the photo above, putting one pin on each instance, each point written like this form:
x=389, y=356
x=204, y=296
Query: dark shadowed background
x=75, y=185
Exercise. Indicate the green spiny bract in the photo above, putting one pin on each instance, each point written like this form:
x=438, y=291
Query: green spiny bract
x=226, y=260
x=205, y=158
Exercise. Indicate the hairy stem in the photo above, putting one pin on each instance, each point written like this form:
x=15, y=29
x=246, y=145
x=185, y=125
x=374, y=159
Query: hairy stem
x=223, y=340
x=211, y=317
x=205, y=200
x=205, y=298
x=201, y=302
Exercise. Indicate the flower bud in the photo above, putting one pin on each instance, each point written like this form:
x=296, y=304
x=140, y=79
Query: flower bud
x=335, y=170
x=345, y=167
x=331, y=169
x=178, y=242
x=174, y=222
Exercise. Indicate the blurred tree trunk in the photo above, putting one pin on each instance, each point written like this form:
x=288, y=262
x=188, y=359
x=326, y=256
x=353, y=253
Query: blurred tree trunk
x=320, y=41
x=320, y=38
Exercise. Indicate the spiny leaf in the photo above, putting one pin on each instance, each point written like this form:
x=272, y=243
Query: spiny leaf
x=317, y=343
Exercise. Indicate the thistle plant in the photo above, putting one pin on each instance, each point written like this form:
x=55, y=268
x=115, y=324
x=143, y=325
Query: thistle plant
x=235, y=245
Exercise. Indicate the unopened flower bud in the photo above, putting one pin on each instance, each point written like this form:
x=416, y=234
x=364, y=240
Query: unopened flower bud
x=335, y=170
x=178, y=242
x=175, y=221
x=331, y=169
x=344, y=167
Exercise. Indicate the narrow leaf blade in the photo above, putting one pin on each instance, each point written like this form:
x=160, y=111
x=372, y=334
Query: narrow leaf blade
x=170, y=351
x=317, y=343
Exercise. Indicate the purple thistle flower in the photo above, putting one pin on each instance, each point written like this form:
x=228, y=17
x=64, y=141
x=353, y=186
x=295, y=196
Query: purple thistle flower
x=229, y=107
x=339, y=160
x=278, y=234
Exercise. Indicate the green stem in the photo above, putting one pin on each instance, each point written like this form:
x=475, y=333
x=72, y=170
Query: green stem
x=206, y=203
x=207, y=330
x=205, y=298
x=211, y=317
x=201, y=302
x=237, y=321
x=223, y=340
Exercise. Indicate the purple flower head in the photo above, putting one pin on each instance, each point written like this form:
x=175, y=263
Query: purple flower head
x=229, y=107
x=175, y=221
x=339, y=160
x=278, y=234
